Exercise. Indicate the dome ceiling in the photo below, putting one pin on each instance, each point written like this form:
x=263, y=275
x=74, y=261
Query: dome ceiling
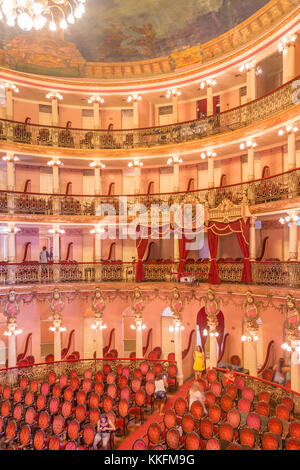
x=123, y=31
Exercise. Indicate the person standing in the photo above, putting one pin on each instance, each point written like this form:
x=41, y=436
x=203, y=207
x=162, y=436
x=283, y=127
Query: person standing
x=280, y=371
x=199, y=365
x=44, y=255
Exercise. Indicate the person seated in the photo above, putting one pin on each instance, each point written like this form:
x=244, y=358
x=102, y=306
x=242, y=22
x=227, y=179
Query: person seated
x=195, y=394
x=229, y=376
x=160, y=393
x=104, y=429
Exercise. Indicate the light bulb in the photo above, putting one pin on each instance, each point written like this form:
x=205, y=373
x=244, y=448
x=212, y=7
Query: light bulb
x=71, y=19
x=63, y=24
x=204, y=332
x=52, y=26
x=243, y=338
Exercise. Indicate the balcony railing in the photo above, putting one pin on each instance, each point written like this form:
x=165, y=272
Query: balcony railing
x=274, y=188
x=270, y=273
x=276, y=101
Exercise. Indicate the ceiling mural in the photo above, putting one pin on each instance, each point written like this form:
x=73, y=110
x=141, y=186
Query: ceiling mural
x=123, y=31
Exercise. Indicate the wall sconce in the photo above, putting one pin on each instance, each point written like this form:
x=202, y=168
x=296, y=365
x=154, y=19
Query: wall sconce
x=207, y=82
x=135, y=163
x=54, y=163
x=287, y=347
x=289, y=128
x=97, y=229
x=10, y=86
x=98, y=327
x=139, y=328
x=10, y=158
x=13, y=332
x=95, y=99
x=249, y=338
x=134, y=98
x=56, y=230
x=249, y=66
x=285, y=43
x=248, y=144
x=208, y=154
x=173, y=92
x=59, y=328
x=11, y=229
x=97, y=165
x=174, y=159
x=53, y=95
x=288, y=219
x=172, y=328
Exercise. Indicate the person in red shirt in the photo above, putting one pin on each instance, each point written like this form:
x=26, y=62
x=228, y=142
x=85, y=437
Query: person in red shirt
x=229, y=376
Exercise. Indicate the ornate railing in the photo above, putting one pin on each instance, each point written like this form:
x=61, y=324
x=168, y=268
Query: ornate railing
x=277, y=392
x=273, y=273
x=41, y=371
x=274, y=102
x=274, y=188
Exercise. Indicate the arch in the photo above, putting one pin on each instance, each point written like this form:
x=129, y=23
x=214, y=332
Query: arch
x=69, y=188
x=167, y=337
x=27, y=252
x=69, y=255
x=27, y=186
x=203, y=325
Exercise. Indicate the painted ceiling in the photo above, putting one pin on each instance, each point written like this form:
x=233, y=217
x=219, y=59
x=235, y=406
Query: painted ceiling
x=134, y=30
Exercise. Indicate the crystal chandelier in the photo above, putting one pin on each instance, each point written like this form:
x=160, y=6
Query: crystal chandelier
x=35, y=14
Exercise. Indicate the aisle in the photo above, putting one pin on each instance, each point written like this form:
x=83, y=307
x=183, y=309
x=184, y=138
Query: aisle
x=142, y=430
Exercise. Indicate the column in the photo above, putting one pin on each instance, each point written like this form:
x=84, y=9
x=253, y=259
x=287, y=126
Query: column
x=9, y=104
x=139, y=337
x=252, y=359
x=176, y=249
x=97, y=123
x=289, y=63
x=11, y=238
x=57, y=340
x=251, y=84
x=213, y=356
x=252, y=239
x=295, y=367
x=210, y=100
x=137, y=173
x=178, y=350
x=291, y=151
x=98, y=182
x=99, y=338
x=211, y=179
x=55, y=118
x=55, y=178
x=10, y=176
x=293, y=242
x=251, y=170
x=98, y=242
x=135, y=113
x=176, y=177
x=175, y=108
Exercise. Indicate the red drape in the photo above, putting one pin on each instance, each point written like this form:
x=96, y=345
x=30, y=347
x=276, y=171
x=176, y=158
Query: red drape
x=219, y=229
x=183, y=254
x=141, y=246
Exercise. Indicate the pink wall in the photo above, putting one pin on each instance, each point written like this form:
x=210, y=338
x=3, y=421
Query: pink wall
x=72, y=175
x=148, y=175
x=231, y=167
x=24, y=109
x=272, y=158
x=229, y=100
x=186, y=172
x=75, y=236
x=144, y=109
x=70, y=114
x=111, y=116
x=187, y=111
x=27, y=172
x=24, y=236
x=112, y=176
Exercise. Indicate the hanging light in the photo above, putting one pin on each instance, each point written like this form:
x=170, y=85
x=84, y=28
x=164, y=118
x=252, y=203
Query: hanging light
x=249, y=66
x=208, y=82
x=36, y=14
x=289, y=218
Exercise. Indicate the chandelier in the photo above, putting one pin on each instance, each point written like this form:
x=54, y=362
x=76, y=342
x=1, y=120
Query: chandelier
x=35, y=14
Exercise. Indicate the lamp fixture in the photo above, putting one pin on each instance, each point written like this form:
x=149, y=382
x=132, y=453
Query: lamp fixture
x=208, y=82
x=54, y=95
x=56, y=230
x=175, y=328
x=58, y=328
x=249, y=338
x=208, y=154
x=54, y=163
x=285, y=43
x=10, y=86
x=173, y=92
x=174, y=159
x=11, y=229
x=249, y=66
x=97, y=230
x=289, y=128
x=248, y=144
x=98, y=327
x=288, y=219
x=139, y=328
x=135, y=97
x=13, y=331
x=135, y=163
x=35, y=14
x=95, y=164
x=287, y=347
x=10, y=158
x=96, y=99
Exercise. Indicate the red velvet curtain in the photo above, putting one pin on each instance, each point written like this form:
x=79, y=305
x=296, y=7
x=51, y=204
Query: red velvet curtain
x=183, y=254
x=215, y=104
x=202, y=108
x=141, y=246
x=219, y=229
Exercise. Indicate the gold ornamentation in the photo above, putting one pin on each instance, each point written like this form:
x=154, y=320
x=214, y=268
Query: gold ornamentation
x=11, y=307
x=98, y=303
x=176, y=303
x=137, y=303
x=56, y=304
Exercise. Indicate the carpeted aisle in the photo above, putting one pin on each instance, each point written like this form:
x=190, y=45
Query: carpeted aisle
x=142, y=430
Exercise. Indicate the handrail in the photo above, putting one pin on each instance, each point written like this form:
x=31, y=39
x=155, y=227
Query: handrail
x=56, y=136
x=267, y=356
